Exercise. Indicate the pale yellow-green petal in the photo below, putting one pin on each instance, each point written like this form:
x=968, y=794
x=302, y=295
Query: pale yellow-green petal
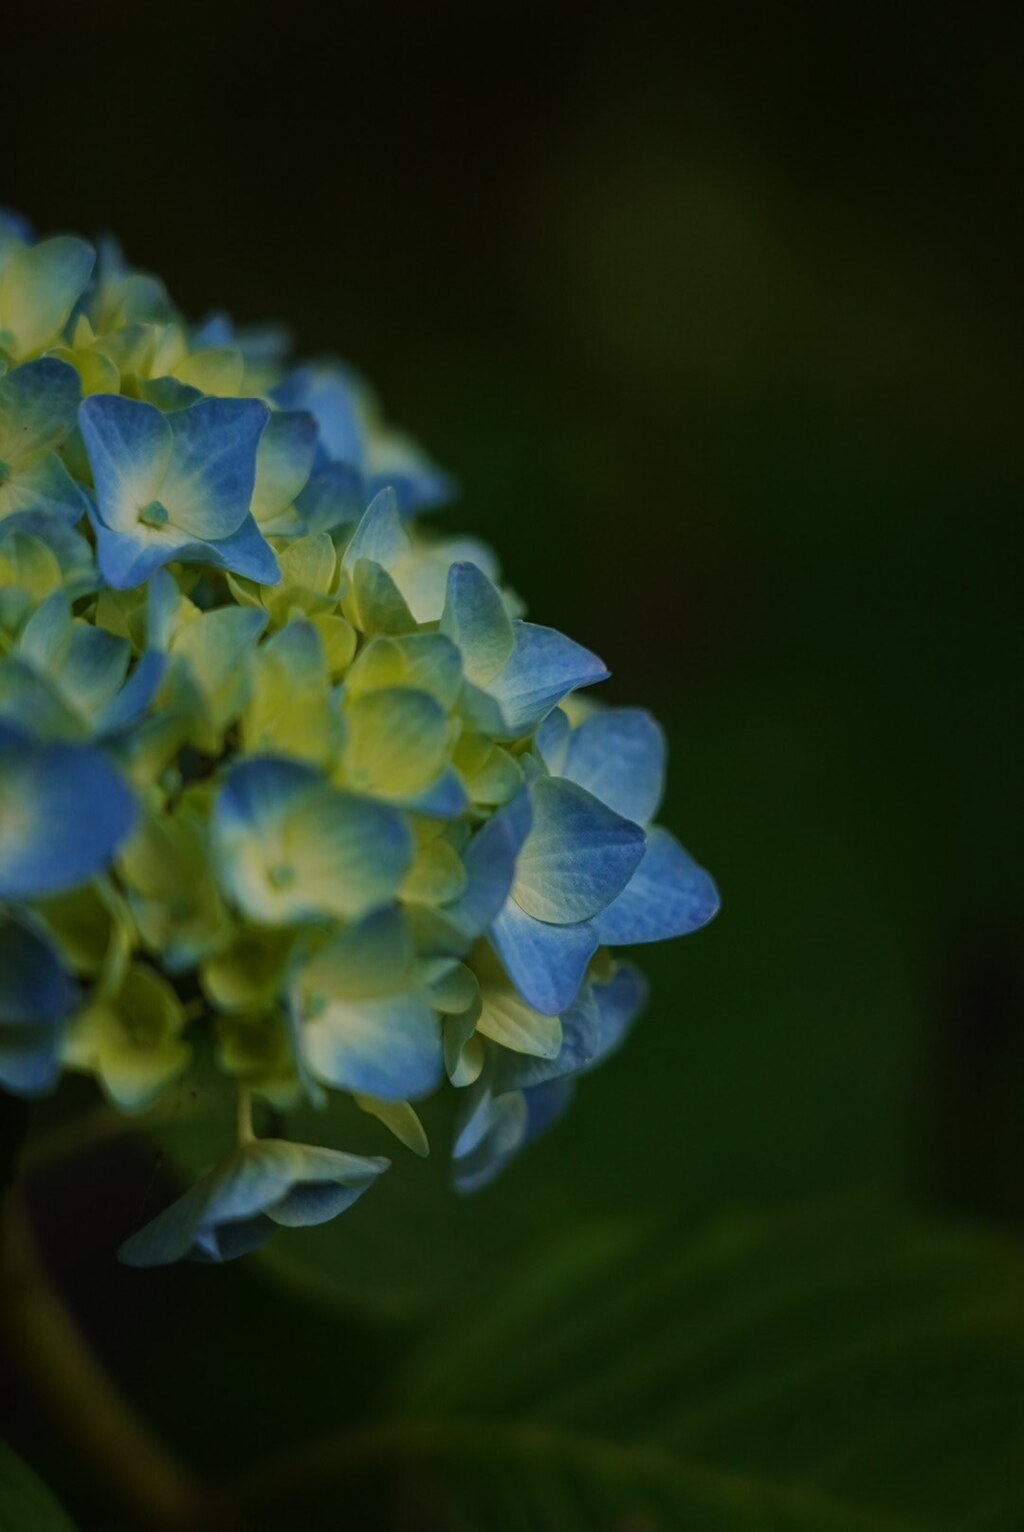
x=400, y=1119
x=339, y=640
x=249, y=975
x=397, y=742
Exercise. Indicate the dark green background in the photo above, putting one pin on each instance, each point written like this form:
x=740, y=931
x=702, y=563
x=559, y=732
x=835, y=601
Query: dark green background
x=713, y=310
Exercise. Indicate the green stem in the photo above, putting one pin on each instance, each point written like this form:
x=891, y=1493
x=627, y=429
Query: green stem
x=244, y=1132
x=113, y=1443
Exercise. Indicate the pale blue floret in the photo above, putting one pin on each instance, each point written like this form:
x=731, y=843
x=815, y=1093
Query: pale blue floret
x=236, y=1206
x=354, y=464
x=72, y=679
x=288, y=846
x=546, y=934
x=370, y=831
x=517, y=671
x=669, y=895
x=260, y=345
x=64, y=810
x=36, y=997
x=490, y=863
x=495, y=1128
x=519, y=1095
x=364, y=1024
x=175, y=486
x=619, y=756
x=546, y=963
x=577, y=858
x=38, y=409
x=380, y=536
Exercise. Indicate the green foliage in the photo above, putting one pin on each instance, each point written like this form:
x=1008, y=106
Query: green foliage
x=26, y=1505
x=812, y=1372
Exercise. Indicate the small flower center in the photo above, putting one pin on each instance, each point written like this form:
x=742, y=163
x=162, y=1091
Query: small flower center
x=282, y=876
x=154, y=514
x=5, y=471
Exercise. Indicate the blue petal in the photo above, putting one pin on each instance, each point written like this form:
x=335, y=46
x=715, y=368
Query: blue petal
x=163, y=599
x=36, y=996
x=134, y=697
x=490, y=1131
x=65, y=812
x=86, y=664
x=669, y=895
x=389, y=1049
x=331, y=396
x=201, y=461
x=545, y=1104
x=551, y=742
x=233, y=1207
x=334, y=497
x=215, y=330
x=544, y=667
x=592, y=1028
x=444, y=799
x=95, y=668
x=578, y=855
x=346, y=854
x=619, y=756
x=421, y=488
x=475, y=619
x=214, y=464
x=38, y=405
x=258, y=790
x=128, y=559
x=246, y=552
x=259, y=344
x=545, y=963
x=369, y=1031
x=490, y=861
x=128, y=444
x=380, y=536
x=43, y=485
x=227, y=1242
x=498, y=1126
x=314, y=1203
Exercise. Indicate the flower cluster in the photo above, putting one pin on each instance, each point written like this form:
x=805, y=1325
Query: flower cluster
x=286, y=781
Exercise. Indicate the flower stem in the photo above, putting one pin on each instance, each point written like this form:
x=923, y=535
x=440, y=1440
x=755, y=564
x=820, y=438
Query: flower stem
x=243, y=1117
x=110, y=1439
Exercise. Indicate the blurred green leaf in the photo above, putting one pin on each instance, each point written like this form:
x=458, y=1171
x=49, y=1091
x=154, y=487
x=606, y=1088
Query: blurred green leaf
x=26, y=1505
x=814, y=1372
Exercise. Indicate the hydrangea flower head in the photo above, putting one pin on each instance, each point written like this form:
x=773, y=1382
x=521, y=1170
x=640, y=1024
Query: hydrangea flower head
x=289, y=788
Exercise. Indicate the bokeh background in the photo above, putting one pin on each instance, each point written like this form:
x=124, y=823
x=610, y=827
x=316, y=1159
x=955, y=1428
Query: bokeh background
x=713, y=312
